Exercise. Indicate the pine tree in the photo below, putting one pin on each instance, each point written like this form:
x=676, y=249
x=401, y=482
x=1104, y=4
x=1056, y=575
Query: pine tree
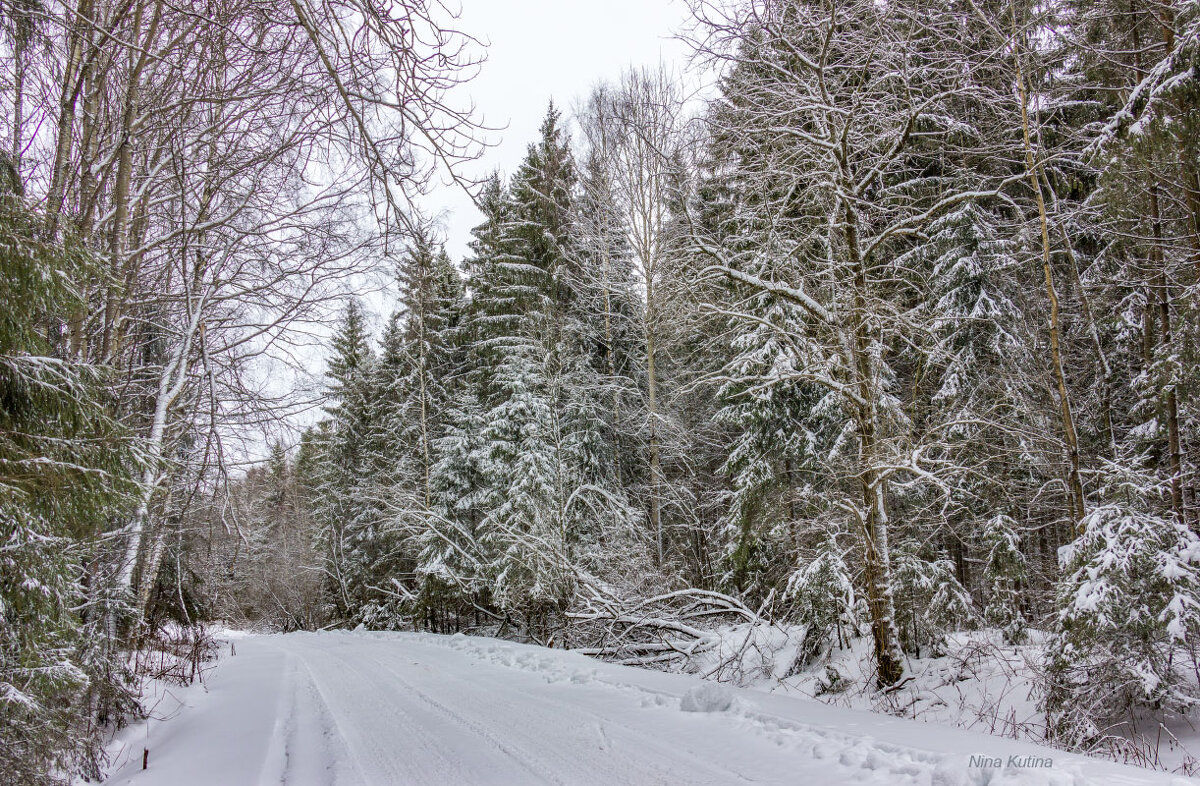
x=979, y=397
x=1146, y=184
x=608, y=309
x=524, y=531
x=452, y=561
x=418, y=363
x=518, y=274
x=543, y=456
x=778, y=434
x=542, y=192
x=419, y=366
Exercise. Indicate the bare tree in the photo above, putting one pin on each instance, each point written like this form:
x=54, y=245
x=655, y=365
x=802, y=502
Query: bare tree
x=636, y=129
x=234, y=162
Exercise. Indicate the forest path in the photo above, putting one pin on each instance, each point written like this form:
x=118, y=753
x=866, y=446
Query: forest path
x=396, y=708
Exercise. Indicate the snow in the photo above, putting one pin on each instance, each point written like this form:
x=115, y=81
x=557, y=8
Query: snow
x=397, y=708
x=707, y=697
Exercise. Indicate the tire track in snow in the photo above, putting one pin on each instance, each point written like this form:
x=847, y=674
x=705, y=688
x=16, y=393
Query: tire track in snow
x=391, y=738
x=534, y=767
x=356, y=701
x=314, y=751
x=619, y=758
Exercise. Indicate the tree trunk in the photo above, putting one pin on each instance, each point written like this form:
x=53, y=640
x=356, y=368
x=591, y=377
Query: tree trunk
x=1170, y=402
x=889, y=662
x=80, y=57
x=1085, y=308
x=1076, y=499
x=656, y=477
x=422, y=363
x=122, y=270
x=18, y=99
x=889, y=659
x=610, y=354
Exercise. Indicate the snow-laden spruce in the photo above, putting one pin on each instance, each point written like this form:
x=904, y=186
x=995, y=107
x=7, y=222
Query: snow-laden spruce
x=1124, y=644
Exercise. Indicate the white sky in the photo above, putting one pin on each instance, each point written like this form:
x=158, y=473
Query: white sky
x=543, y=49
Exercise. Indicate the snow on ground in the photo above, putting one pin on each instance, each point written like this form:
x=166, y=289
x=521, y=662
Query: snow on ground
x=980, y=683
x=974, y=681
x=399, y=708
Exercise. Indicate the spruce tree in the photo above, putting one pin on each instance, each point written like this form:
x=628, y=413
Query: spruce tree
x=350, y=523
x=65, y=473
x=609, y=311
x=1128, y=617
x=780, y=426
x=1004, y=575
x=452, y=561
x=524, y=531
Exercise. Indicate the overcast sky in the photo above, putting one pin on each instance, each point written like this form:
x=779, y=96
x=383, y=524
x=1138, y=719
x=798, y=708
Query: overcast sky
x=536, y=50
x=543, y=49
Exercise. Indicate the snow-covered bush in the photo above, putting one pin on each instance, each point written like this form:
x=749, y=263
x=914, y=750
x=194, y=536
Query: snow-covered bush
x=822, y=597
x=930, y=601
x=1129, y=602
x=1006, y=569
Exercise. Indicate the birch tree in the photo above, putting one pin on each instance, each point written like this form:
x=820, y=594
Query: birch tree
x=635, y=130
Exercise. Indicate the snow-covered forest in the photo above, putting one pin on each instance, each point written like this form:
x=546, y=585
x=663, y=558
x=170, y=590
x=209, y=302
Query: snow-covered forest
x=876, y=363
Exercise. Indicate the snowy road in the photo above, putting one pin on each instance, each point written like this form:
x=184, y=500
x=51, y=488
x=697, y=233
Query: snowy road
x=354, y=708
